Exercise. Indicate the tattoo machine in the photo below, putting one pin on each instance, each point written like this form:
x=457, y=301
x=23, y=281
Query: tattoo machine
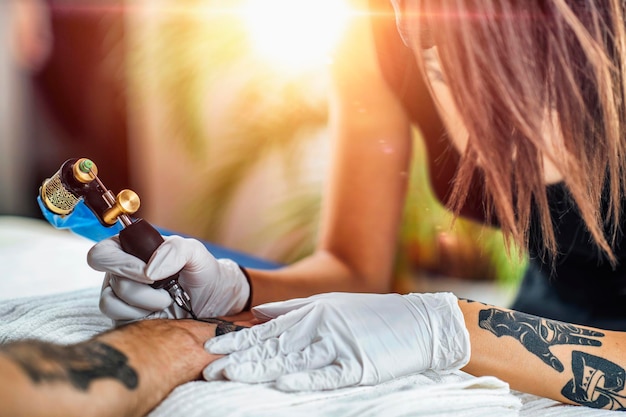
x=78, y=179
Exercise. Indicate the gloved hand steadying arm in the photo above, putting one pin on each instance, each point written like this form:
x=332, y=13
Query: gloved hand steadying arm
x=217, y=287
x=329, y=341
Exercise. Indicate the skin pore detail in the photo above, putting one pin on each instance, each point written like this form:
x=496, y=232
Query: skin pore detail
x=537, y=334
x=78, y=365
x=123, y=371
x=81, y=364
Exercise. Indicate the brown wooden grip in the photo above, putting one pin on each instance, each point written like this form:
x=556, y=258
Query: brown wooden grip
x=141, y=239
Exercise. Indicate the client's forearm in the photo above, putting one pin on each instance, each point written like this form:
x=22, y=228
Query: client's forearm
x=563, y=361
x=124, y=372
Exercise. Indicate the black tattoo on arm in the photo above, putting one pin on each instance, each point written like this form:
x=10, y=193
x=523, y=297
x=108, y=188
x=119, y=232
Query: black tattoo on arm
x=79, y=364
x=537, y=334
x=223, y=326
x=472, y=301
x=596, y=382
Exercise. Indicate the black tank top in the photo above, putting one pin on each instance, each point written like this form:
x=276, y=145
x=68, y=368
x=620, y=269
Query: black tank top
x=583, y=287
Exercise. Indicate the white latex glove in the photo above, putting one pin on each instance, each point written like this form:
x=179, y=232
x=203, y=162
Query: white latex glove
x=217, y=287
x=329, y=341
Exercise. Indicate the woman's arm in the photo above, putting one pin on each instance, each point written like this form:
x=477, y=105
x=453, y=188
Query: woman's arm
x=366, y=339
x=566, y=362
x=363, y=202
x=361, y=217
x=123, y=372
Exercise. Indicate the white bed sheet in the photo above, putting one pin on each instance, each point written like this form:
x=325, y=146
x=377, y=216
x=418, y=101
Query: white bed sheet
x=37, y=259
x=49, y=293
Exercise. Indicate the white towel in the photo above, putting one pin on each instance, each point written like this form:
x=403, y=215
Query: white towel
x=61, y=318
x=428, y=394
x=74, y=316
x=37, y=260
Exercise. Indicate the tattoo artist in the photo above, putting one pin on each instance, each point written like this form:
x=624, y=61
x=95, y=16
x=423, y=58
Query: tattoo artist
x=522, y=105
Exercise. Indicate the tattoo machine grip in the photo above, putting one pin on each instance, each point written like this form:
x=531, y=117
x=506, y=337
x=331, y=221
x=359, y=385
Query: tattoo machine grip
x=141, y=239
x=77, y=180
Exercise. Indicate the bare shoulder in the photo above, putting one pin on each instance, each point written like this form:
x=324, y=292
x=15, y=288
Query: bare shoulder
x=354, y=61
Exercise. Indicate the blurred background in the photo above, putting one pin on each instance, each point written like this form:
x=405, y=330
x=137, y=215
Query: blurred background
x=213, y=114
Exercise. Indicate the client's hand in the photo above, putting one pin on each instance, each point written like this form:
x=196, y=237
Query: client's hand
x=217, y=287
x=335, y=340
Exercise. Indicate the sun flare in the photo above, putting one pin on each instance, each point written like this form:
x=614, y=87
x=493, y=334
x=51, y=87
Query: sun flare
x=296, y=34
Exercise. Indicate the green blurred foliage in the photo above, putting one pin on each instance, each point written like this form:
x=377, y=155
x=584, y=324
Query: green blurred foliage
x=434, y=243
x=263, y=114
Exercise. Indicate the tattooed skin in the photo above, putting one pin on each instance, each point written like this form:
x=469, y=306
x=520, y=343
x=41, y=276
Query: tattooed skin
x=596, y=382
x=79, y=364
x=537, y=334
x=432, y=66
x=223, y=326
x=472, y=301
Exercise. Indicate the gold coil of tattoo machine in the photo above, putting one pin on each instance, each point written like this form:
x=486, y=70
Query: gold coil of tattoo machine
x=77, y=180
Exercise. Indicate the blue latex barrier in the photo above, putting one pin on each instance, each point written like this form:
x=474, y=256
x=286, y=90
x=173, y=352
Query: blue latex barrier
x=80, y=221
x=84, y=223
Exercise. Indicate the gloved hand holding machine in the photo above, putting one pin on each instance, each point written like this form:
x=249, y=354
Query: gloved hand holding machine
x=326, y=341
x=78, y=178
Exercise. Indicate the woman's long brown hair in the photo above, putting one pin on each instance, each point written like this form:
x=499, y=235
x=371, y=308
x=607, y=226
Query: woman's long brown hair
x=514, y=65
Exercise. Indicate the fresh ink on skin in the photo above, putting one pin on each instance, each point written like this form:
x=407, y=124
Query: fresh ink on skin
x=537, y=334
x=78, y=365
x=472, y=301
x=223, y=326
